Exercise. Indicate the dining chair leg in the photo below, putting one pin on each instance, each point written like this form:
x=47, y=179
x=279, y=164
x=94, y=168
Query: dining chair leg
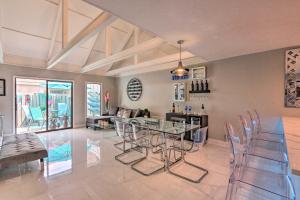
x=119, y=156
x=134, y=166
x=184, y=161
x=117, y=145
x=198, y=180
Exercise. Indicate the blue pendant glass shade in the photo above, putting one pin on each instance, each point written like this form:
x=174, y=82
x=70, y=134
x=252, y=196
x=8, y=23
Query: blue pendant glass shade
x=179, y=70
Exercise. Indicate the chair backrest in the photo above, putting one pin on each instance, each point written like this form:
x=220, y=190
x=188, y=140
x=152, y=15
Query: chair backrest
x=119, y=127
x=253, y=122
x=135, y=129
x=247, y=131
x=62, y=109
x=179, y=122
x=200, y=135
x=26, y=111
x=36, y=113
x=235, y=145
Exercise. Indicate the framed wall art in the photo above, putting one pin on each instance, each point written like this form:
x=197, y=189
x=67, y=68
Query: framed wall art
x=2, y=87
x=134, y=89
x=199, y=72
x=179, y=92
x=292, y=78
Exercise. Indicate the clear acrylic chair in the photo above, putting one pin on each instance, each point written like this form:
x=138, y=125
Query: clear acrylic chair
x=257, y=132
x=259, y=125
x=124, y=130
x=146, y=140
x=253, y=183
x=261, y=148
x=198, y=141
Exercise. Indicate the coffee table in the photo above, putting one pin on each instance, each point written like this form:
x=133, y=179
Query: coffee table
x=93, y=122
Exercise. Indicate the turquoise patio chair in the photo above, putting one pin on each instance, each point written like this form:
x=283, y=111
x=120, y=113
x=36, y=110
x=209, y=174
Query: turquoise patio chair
x=37, y=116
x=62, y=109
x=63, y=114
x=28, y=118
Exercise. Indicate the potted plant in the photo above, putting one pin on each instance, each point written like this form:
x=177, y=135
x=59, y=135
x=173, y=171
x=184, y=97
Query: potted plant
x=106, y=100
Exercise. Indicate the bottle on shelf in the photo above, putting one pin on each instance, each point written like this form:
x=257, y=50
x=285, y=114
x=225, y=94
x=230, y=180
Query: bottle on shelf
x=206, y=85
x=197, y=86
x=202, y=85
x=173, y=108
x=192, y=86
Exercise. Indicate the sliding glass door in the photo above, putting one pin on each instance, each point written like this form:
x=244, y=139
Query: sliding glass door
x=59, y=105
x=43, y=105
x=30, y=105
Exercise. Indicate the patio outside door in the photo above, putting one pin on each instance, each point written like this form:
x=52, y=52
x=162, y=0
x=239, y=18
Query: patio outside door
x=43, y=105
x=59, y=105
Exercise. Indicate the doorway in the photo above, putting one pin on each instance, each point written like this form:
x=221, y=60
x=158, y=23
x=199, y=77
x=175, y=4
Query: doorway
x=43, y=105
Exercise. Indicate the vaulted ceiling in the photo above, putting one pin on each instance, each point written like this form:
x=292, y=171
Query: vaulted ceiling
x=215, y=29
x=123, y=37
x=75, y=36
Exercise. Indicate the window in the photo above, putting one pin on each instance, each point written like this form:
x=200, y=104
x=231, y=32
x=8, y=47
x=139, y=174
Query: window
x=93, y=99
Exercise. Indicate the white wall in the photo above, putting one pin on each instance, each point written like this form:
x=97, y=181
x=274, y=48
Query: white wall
x=237, y=84
x=8, y=72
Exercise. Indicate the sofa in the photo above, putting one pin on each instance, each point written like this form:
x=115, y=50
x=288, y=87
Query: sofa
x=128, y=113
x=120, y=112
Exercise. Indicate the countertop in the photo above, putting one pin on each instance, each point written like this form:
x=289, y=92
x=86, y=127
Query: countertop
x=291, y=126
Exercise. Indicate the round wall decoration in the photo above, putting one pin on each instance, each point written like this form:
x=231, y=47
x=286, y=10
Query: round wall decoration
x=134, y=89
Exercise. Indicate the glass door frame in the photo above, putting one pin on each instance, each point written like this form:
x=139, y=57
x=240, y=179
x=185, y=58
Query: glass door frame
x=47, y=119
x=47, y=106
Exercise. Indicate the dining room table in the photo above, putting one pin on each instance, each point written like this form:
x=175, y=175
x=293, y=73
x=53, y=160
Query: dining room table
x=168, y=129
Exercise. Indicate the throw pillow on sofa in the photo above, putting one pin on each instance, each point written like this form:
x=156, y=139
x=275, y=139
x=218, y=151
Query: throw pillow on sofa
x=137, y=113
x=120, y=112
x=126, y=113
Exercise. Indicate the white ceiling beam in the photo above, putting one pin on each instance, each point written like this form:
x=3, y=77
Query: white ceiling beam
x=147, y=45
x=90, y=49
x=65, y=23
x=97, y=25
x=157, y=61
x=164, y=66
x=121, y=46
x=108, y=41
x=55, y=30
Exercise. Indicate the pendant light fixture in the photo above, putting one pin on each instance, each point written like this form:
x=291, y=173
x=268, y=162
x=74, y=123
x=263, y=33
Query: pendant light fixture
x=180, y=70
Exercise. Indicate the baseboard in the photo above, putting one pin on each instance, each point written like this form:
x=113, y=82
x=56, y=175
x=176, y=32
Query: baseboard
x=79, y=126
x=217, y=142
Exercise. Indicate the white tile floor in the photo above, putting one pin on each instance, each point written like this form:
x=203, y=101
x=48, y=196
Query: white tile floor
x=82, y=166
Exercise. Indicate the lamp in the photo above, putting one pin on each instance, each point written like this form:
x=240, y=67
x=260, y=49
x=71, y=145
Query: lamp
x=180, y=70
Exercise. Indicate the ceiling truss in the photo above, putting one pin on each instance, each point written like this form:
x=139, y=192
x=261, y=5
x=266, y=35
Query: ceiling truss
x=145, y=46
x=97, y=25
x=101, y=24
x=157, y=61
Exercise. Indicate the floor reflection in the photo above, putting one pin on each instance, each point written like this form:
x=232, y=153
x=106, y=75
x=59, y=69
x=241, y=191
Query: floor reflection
x=93, y=152
x=59, y=148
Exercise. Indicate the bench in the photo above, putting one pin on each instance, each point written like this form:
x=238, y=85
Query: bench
x=21, y=148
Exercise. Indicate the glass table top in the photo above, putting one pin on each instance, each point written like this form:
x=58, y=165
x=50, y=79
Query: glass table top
x=169, y=127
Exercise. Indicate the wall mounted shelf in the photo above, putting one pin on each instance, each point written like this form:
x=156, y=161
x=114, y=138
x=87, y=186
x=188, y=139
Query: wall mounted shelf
x=199, y=92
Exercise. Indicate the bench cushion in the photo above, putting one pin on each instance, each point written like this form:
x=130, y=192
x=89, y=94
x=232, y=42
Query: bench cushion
x=21, y=148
